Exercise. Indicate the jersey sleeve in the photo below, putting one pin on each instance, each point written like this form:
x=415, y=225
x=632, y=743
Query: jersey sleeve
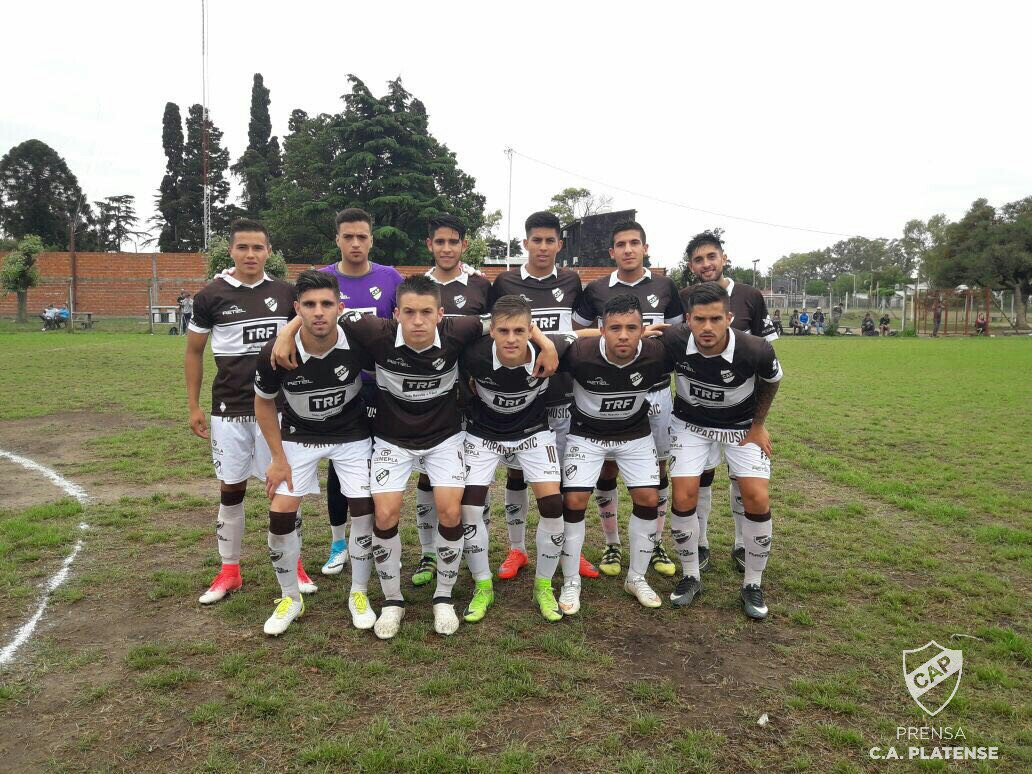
x=584, y=312
x=396, y=279
x=494, y=292
x=562, y=342
x=768, y=368
x=202, y=320
x=365, y=330
x=266, y=380
x=468, y=330
x=674, y=312
x=762, y=325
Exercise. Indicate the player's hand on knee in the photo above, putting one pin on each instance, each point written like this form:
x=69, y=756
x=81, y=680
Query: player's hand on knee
x=197, y=424
x=758, y=435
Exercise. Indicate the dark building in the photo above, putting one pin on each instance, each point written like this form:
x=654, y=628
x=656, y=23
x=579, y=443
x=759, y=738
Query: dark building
x=587, y=240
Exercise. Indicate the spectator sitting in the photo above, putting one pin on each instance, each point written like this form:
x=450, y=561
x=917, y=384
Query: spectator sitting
x=884, y=323
x=981, y=325
x=62, y=316
x=867, y=326
x=804, y=322
x=49, y=317
x=818, y=321
x=776, y=321
x=793, y=322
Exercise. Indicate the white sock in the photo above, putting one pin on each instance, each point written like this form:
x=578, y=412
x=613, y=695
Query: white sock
x=298, y=524
x=702, y=511
x=661, y=511
x=284, y=551
x=426, y=520
x=757, y=536
x=550, y=539
x=686, y=542
x=516, y=504
x=229, y=532
x=338, y=532
x=641, y=535
x=361, y=548
x=607, y=501
x=475, y=542
x=487, y=513
x=738, y=511
x=449, y=557
x=573, y=544
x=387, y=559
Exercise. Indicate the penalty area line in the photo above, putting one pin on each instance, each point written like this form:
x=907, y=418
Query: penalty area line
x=74, y=490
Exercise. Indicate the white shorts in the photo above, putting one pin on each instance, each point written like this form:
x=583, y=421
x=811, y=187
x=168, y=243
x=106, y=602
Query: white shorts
x=635, y=459
x=238, y=449
x=559, y=424
x=661, y=408
x=350, y=460
x=537, y=456
x=691, y=450
x=392, y=465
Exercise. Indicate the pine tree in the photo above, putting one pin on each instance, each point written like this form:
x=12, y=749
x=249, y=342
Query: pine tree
x=169, y=199
x=191, y=188
x=40, y=195
x=114, y=222
x=261, y=161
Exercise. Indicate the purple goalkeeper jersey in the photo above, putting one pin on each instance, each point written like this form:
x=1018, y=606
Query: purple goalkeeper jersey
x=372, y=293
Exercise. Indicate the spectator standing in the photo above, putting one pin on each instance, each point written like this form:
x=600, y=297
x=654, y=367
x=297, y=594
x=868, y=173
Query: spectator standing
x=981, y=325
x=836, y=315
x=936, y=318
x=185, y=301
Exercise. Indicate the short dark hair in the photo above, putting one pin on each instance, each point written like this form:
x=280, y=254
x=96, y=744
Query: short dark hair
x=247, y=224
x=708, y=293
x=626, y=225
x=511, y=306
x=420, y=285
x=704, y=238
x=446, y=221
x=353, y=215
x=543, y=219
x=310, y=279
x=622, y=304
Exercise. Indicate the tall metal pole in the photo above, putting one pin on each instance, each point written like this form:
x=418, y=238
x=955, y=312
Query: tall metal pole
x=206, y=217
x=755, y=261
x=508, y=214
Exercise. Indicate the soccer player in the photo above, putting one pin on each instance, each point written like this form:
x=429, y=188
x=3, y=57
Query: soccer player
x=610, y=420
x=463, y=293
x=726, y=382
x=749, y=315
x=508, y=424
x=553, y=294
x=241, y=313
x=660, y=304
x=323, y=418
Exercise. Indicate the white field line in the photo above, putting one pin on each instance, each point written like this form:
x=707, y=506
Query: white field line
x=55, y=580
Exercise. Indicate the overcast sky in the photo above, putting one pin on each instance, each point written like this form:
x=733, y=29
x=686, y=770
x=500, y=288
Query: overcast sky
x=814, y=115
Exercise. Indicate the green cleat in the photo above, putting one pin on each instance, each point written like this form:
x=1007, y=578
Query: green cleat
x=611, y=558
x=545, y=598
x=483, y=598
x=661, y=562
x=426, y=570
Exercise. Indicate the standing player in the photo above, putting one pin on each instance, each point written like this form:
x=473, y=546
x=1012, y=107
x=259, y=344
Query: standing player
x=323, y=418
x=508, y=423
x=463, y=293
x=610, y=420
x=552, y=294
x=241, y=313
x=660, y=304
x=726, y=382
x=749, y=315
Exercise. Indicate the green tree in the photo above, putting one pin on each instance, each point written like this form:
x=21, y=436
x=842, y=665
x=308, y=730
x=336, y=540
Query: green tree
x=169, y=201
x=378, y=154
x=20, y=272
x=114, y=222
x=191, y=188
x=40, y=195
x=218, y=259
x=572, y=204
x=260, y=162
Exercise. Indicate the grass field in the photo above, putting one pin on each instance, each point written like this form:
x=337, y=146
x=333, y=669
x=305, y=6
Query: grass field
x=901, y=506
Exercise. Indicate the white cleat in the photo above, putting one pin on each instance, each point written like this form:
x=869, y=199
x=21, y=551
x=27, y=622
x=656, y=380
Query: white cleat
x=446, y=622
x=569, y=596
x=640, y=590
x=362, y=614
x=338, y=558
x=287, y=609
x=389, y=622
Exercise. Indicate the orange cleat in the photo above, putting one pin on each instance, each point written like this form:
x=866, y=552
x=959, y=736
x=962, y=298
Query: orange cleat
x=587, y=569
x=512, y=564
x=226, y=581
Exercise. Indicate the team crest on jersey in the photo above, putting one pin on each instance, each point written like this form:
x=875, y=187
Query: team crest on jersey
x=558, y=294
x=272, y=303
x=653, y=300
x=727, y=376
x=636, y=378
x=438, y=364
x=460, y=301
x=375, y=292
x=352, y=315
x=342, y=372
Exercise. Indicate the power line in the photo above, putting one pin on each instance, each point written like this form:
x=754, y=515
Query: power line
x=679, y=204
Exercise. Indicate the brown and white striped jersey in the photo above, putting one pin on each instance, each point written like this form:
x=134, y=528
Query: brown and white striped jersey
x=467, y=294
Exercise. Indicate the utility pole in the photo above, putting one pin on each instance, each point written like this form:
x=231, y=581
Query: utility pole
x=508, y=214
x=755, y=261
x=206, y=219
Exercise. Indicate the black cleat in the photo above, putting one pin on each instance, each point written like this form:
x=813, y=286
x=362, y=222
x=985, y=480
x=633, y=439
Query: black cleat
x=686, y=591
x=738, y=556
x=752, y=602
x=703, y=558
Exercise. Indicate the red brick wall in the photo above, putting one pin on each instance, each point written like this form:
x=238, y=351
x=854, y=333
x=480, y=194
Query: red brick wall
x=115, y=284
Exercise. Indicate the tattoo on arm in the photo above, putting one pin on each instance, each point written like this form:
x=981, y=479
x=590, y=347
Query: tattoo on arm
x=765, y=392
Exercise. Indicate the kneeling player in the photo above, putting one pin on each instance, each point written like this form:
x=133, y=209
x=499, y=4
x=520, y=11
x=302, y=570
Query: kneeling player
x=726, y=382
x=610, y=420
x=323, y=418
x=508, y=424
